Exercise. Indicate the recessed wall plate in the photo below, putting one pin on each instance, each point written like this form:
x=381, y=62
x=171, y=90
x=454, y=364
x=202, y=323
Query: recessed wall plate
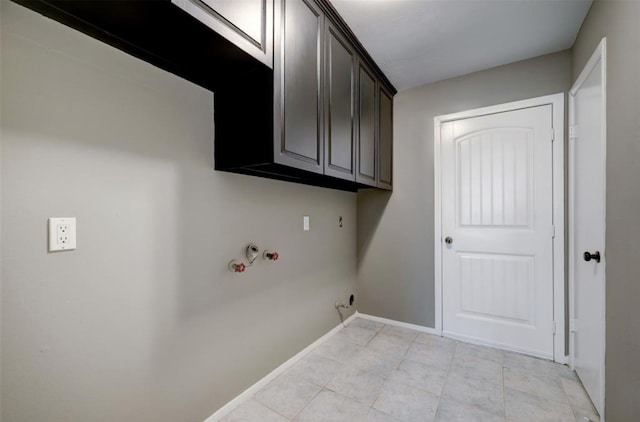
x=62, y=234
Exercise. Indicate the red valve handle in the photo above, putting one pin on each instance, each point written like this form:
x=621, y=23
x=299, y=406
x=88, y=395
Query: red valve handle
x=236, y=266
x=273, y=256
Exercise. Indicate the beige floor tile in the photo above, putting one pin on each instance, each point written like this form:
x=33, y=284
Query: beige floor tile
x=287, y=395
x=585, y=416
x=540, y=385
x=316, y=368
x=374, y=372
x=578, y=397
x=328, y=406
x=252, y=411
x=367, y=324
x=482, y=394
x=431, y=354
x=418, y=375
x=522, y=407
x=403, y=333
x=406, y=403
x=433, y=339
x=378, y=416
x=450, y=411
x=537, y=366
x=355, y=335
x=338, y=349
x=390, y=345
x=375, y=362
x=471, y=367
x=481, y=352
x=357, y=385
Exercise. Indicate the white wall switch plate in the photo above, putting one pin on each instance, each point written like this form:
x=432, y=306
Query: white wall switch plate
x=62, y=234
x=305, y=223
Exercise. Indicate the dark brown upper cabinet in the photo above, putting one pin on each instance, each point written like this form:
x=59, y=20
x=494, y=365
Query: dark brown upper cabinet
x=247, y=23
x=339, y=140
x=299, y=96
x=385, y=139
x=296, y=96
x=366, y=162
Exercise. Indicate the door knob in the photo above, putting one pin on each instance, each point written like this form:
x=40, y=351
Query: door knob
x=589, y=256
x=448, y=240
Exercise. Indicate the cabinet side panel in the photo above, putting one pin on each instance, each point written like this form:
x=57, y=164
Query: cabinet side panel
x=386, y=140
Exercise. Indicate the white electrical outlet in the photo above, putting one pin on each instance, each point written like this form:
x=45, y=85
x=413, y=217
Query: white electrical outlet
x=305, y=223
x=62, y=234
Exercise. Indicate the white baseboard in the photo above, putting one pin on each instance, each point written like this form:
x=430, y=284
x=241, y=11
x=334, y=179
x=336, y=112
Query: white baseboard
x=249, y=392
x=415, y=327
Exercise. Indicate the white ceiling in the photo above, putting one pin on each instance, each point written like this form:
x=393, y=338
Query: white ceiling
x=421, y=41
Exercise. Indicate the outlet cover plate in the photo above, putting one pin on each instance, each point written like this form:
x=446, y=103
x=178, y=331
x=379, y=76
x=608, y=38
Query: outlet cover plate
x=62, y=234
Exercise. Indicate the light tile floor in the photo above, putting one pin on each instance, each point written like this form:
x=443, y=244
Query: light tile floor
x=374, y=372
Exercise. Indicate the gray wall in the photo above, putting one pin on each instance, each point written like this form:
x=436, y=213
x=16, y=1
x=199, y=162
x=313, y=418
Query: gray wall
x=143, y=322
x=619, y=21
x=395, y=232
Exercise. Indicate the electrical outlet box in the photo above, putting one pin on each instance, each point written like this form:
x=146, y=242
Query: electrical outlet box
x=62, y=234
x=305, y=223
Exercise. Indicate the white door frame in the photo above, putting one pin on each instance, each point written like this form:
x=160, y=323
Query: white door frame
x=557, y=103
x=599, y=55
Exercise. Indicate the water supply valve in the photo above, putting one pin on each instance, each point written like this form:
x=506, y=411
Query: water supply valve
x=270, y=256
x=237, y=267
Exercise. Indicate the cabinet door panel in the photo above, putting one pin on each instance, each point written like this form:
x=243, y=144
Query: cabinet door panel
x=246, y=15
x=385, y=144
x=339, y=102
x=366, y=154
x=300, y=87
x=246, y=23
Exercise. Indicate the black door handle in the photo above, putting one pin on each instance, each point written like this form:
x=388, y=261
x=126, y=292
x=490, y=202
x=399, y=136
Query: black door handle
x=589, y=256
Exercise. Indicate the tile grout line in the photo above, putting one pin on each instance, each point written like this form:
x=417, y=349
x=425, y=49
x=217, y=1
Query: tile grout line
x=504, y=393
x=376, y=333
x=268, y=407
x=371, y=406
x=384, y=380
x=307, y=403
x=396, y=368
x=446, y=380
x=444, y=385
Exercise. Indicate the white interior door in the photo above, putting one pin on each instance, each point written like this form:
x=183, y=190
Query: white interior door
x=497, y=229
x=586, y=228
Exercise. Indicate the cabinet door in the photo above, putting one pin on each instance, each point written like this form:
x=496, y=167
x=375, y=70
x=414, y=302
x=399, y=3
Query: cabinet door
x=339, y=145
x=385, y=141
x=298, y=73
x=246, y=23
x=366, y=124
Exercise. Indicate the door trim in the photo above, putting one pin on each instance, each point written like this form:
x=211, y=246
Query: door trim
x=599, y=55
x=557, y=103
